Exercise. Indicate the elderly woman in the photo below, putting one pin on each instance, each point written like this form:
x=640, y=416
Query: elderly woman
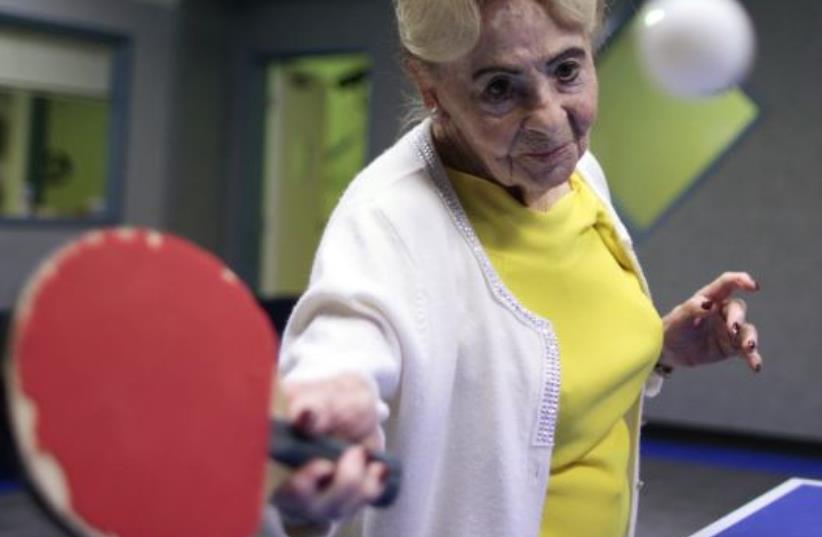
x=476, y=305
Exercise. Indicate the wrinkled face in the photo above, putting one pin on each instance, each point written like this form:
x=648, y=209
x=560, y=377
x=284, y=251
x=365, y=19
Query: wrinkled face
x=517, y=109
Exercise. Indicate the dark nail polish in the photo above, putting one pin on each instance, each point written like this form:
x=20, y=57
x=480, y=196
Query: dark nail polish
x=707, y=305
x=325, y=481
x=756, y=285
x=384, y=473
x=758, y=368
x=306, y=421
x=751, y=345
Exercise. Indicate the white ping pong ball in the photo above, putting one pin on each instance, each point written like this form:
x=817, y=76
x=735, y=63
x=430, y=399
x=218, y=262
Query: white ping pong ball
x=695, y=48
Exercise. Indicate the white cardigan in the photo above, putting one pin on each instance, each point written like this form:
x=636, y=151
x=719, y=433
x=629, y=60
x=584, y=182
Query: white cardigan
x=468, y=379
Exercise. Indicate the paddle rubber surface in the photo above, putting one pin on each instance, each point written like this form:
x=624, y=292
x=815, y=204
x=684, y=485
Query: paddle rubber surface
x=142, y=373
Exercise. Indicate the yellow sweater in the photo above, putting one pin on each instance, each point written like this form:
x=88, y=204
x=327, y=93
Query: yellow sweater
x=566, y=265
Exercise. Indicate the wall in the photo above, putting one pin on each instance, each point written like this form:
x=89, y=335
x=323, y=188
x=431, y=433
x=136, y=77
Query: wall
x=151, y=29
x=758, y=211
x=197, y=195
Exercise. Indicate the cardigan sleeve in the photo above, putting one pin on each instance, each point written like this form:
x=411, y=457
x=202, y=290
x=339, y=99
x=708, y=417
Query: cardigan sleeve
x=359, y=312
x=357, y=315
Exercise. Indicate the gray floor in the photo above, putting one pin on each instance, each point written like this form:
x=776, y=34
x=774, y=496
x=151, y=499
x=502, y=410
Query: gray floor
x=19, y=517
x=677, y=500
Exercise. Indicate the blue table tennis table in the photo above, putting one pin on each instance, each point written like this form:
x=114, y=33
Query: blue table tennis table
x=792, y=509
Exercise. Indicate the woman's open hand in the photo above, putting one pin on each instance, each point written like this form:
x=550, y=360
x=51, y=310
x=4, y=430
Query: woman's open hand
x=712, y=325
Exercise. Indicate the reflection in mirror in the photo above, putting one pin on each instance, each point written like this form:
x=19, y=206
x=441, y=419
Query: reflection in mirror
x=316, y=122
x=55, y=108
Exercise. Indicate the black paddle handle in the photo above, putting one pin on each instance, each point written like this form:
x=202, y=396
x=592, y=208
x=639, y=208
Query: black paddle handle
x=294, y=448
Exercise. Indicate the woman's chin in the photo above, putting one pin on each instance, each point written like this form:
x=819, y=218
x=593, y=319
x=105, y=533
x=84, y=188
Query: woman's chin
x=547, y=177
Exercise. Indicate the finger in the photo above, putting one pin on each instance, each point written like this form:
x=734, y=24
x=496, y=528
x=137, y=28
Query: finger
x=355, y=413
x=724, y=339
x=299, y=494
x=748, y=345
x=726, y=284
x=374, y=486
x=321, y=409
x=375, y=441
x=734, y=312
x=370, y=489
x=344, y=406
x=696, y=308
x=308, y=410
x=346, y=492
x=754, y=360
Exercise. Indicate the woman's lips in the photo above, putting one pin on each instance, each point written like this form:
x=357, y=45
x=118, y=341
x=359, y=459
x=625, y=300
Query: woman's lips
x=546, y=155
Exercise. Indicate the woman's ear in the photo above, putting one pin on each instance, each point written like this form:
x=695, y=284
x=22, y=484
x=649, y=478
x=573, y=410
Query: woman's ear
x=429, y=98
x=423, y=79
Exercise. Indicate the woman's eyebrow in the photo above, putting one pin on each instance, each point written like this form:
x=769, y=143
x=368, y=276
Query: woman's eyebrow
x=495, y=69
x=572, y=52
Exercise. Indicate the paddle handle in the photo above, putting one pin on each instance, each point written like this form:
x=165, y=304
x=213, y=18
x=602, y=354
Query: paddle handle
x=294, y=448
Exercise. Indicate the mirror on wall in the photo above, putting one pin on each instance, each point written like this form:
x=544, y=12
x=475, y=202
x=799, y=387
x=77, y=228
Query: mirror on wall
x=56, y=119
x=315, y=142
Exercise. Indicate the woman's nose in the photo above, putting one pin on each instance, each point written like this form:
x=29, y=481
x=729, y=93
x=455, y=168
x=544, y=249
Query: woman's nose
x=548, y=109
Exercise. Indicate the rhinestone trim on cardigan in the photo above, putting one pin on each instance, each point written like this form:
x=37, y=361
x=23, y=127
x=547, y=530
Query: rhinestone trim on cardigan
x=548, y=409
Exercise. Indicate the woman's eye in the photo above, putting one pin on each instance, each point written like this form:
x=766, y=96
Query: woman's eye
x=499, y=89
x=567, y=72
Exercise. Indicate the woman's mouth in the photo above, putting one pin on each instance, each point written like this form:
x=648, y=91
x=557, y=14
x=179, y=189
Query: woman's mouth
x=546, y=154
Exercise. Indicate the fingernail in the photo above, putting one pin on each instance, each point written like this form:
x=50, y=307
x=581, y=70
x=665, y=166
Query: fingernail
x=384, y=473
x=756, y=285
x=758, y=368
x=735, y=329
x=306, y=421
x=751, y=345
x=707, y=305
x=325, y=481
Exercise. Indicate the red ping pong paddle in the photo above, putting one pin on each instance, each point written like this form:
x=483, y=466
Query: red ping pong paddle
x=139, y=387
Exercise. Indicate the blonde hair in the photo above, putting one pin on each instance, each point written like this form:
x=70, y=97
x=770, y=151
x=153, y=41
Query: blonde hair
x=437, y=31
